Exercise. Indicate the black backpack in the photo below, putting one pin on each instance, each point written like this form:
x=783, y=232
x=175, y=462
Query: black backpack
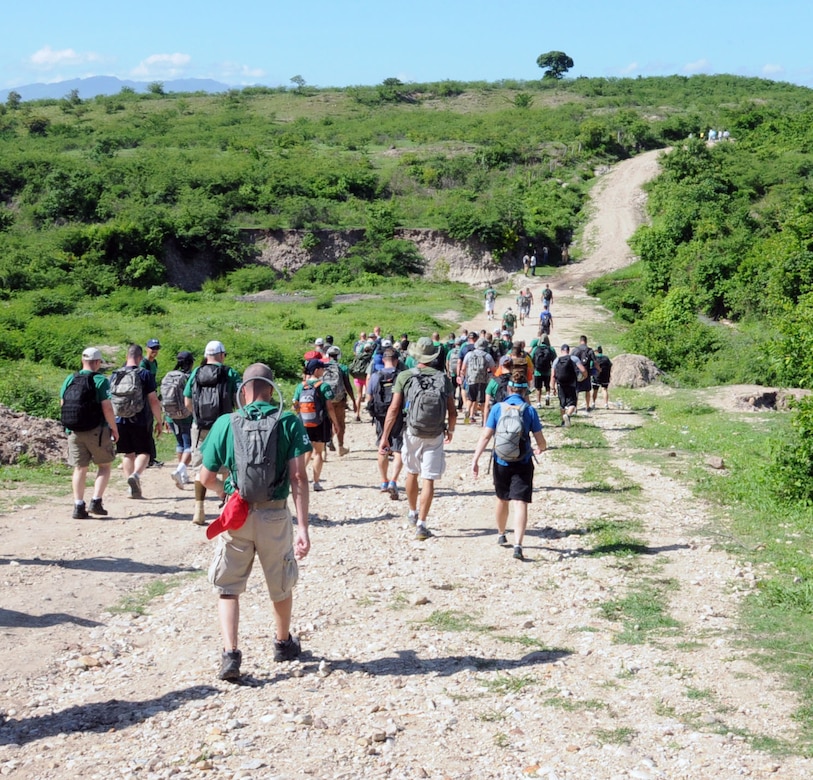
x=382, y=398
x=80, y=409
x=543, y=358
x=502, y=387
x=210, y=394
x=566, y=373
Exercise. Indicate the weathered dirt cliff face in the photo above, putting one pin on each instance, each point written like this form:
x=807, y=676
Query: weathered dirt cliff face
x=283, y=250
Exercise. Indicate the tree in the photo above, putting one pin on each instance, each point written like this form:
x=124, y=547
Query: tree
x=13, y=100
x=299, y=83
x=556, y=62
x=156, y=87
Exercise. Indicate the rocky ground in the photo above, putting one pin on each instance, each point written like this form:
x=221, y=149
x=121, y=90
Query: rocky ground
x=437, y=659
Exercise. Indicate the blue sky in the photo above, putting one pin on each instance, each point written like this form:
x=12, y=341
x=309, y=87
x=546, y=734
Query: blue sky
x=346, y=42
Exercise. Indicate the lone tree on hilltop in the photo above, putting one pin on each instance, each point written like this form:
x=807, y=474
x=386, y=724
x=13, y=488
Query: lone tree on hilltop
x=556, y=62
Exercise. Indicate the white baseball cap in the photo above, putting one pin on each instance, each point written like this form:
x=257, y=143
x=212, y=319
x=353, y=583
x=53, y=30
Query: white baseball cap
x=214, y=348
x=91, y=353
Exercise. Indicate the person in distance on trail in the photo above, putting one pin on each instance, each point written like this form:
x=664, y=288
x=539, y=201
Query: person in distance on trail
x=566, y=371
x=150, y=363
x=210, y=392
x=477, y=367
x=311, y=403
x=427, y=398
x=267, y=530
x=87, y=414
x=509, y=322
x=511, y=422
x=532, y=264
x=177, y=416
x=604, y=367
x=545, y=323
x=542, y=356
x=379, y=394
x=335, y=375
x=526, y=263
x=587, y=357
x=490, y=296
x=547, y=296
x=134, y=429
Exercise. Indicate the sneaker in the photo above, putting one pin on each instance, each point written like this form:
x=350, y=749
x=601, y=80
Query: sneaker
x=96, y=507
x=539, y=406
x=566, y=421
x=155, y=464
x=287, y=650
x=393, y=489
x=518, y=553
x=385, y=487
x=412, y=517
x=317, y=487
x=466, y=419
x=343, y=451
x=422, y=533
x=502, y=539
x=135, y=486
x=79, y=512
x=178, y=479
x=547, y=401
x=230, y=665
x=331, y=446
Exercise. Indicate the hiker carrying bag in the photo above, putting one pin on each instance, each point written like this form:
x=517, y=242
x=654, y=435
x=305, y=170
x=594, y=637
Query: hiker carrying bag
x=511, y=440
x=80, y=409
x=312, y=405
x=210, y=394
x=381, y=399
x=502, y=391
x=543, y=359
x=126, y=392
x=425, y=399
x=566, y=373
x=172, y=398
x=334, y=380
x=361, y=362
x=476, y=367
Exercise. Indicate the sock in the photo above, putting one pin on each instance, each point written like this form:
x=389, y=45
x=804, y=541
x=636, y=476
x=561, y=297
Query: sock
x=200, y=492
x=95, y=498
x=78, y=502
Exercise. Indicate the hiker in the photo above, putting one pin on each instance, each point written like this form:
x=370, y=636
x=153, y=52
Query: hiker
x=509, y=321
x=545, y=323
x=532, y=263
x=358, y=369
x=587, y=357
x=526, y=263
x=210, y=391
x=547, y=296
x=542, y=355
x=453, y=365
x=379, y=394
x=490, y=296
x=601, y=378
x=545, y=253
x=477, y=366
x=310, y=402
x=425, y=395
x=566, y=370
x=497, y=387
x=511, y=422
x=260, y=478
x=359, y=345
x=87, y=414
x=134, y=396
x=177, y=416
x=150, y=363
x=335, y=375
x=523, y=305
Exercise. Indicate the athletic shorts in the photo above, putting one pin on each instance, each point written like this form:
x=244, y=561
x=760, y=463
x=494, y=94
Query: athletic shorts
x=182, y=430
x=489, y=307
x=396, y=439
x=477, y=392
x=524, y=310
x=198, y=437
x=134, y=439
x=87, y=446
x=583, y=386
x=268, y=533
x=567, y=396
x=360, y=383
x=514, y=482
x=424, y=456
x=596, y=383
x=321, y=433
x=541, y=382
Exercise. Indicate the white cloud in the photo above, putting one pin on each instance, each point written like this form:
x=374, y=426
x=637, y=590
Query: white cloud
x=698, y=66
x=772, y=70
x=47, y=58
x=240, y=73
x=627, y=69
x=162, y=65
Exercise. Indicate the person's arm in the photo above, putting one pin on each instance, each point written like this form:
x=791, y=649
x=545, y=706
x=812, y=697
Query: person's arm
x=155, y=408
x=348, y=388
x=110, y=418
x=581, y=369
x=301, y=497
x=485, y=437
x=451, y=411
x=389, y=422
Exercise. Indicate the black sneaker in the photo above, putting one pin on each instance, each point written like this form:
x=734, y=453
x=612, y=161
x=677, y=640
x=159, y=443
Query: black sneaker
x=287, y=650
x=502, y=539
x=79, y=512
x=155, y=464
x=96, y=507
x=518, y=553
x=331, y=446
x=134, y=486
x=422, y=533
x=230, y=665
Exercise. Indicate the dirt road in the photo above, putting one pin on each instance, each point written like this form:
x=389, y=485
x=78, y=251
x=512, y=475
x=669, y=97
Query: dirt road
x=440, y=659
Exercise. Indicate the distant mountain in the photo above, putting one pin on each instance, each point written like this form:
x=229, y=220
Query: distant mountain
x=108, y=85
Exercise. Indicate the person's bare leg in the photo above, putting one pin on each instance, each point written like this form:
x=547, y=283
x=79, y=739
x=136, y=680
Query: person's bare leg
x=520, y=520
x=78, y=480
x=102, y=478
x=501, y=514
x=282, y=618
x=383, y=463
x=411, y=488
x=318, y=459
x=427, y=494
x=397, y=465
x=228, y=610
x=128, y=464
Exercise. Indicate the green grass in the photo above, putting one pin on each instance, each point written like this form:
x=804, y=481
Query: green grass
x=575, y=705
x=454, y=621
x=620, y=736
x=506, y=683
x=136, y=603
x=643, y=613
x=615, y=537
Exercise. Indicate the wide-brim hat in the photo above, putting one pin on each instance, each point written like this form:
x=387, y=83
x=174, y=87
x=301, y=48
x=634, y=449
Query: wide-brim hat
x=424, y=350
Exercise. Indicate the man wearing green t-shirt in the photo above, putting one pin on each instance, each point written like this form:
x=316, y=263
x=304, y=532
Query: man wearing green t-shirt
x=267, y=528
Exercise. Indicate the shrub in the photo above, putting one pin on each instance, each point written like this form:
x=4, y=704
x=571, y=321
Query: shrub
x=26, y=393
x=251, y=279
x=790, y=473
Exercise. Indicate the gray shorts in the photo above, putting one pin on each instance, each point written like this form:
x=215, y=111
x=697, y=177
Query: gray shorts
x=423, y=456
x=87, y=446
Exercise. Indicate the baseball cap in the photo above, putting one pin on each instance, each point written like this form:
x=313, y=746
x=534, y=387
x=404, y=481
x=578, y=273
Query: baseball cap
x=334, y=351
x=91, y=353
x=565, y=347
x=154, y=344
x=232, y=517
x=319, y=342
x=184, y=355
x=386, y=343
x=214, y=348
x=329, y=339
x=313, y=365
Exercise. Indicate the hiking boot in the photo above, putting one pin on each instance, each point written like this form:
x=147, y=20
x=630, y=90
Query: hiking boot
x=79, y=512
x=502, y=539
x=393, y=490
x=422, y=533
x=566, y=421
x=96, y=507
x=317, y=487
x=287, y=650
x=230, y=665
x=412, y=516
x=343, y=451
x=518, y=553
x=135, y=487
x=199, y=518
x=178, y=479
x=331, y=446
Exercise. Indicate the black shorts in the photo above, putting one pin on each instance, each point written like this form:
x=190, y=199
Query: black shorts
x=567, y=396
x=396, y=439
x=542, y=381
x=134, y=439
x=321, y=433
x=477, y=392
x=583, y=385
x=514, y=482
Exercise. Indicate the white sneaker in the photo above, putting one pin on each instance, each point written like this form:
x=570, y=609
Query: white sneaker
x=178, y=479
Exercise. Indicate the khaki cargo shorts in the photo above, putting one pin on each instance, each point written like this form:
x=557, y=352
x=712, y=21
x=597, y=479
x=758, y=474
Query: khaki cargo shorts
x=423, y=456
x=87, y=446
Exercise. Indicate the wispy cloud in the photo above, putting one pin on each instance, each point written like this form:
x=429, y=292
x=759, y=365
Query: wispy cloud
x=162, y=65
x=627, y=69
x=47, y=58
x=772, y=70
x=236, y=72
x=698, y=66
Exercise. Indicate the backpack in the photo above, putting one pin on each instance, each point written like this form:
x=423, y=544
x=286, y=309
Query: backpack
x=502, y=387
x=361, y=362
x=255, y=456
x=80, y=409
x=382, y=398
x=566, y=373
x=126, y=392
x=585, y=354
x=511, y=441
x=547, y=293
x=490, y=295
x=477, y=367
x=172, y=399
x=509, y=318
x=312, y=405
x=333, y=378
x=544, y=317
x=524, y=301
x=454, y=359
x=210, y=394
x=543, y=358
x=425, y=404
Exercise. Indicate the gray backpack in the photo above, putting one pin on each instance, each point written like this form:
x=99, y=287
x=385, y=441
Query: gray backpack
x=476, y=367
x=333, y=378
x=126, y=392
x=425, y=403
x=511, y=441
